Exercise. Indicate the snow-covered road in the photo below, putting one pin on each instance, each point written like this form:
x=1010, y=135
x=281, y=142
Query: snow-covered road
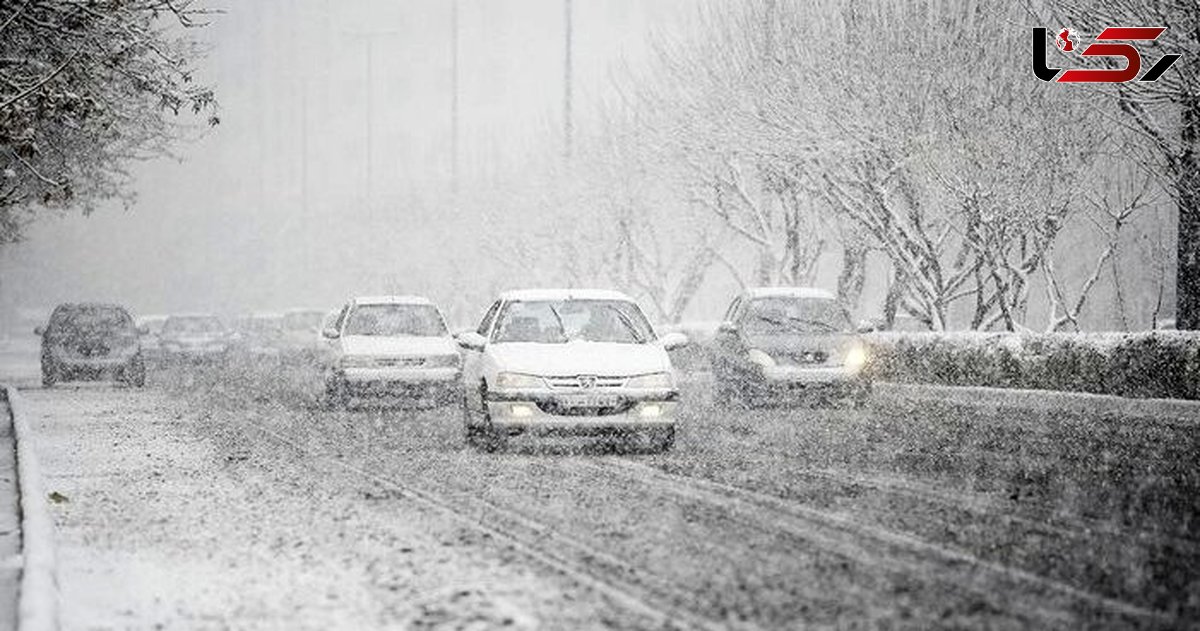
x=211, y=502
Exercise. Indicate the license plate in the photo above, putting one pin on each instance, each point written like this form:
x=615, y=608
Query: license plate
x=589, y=401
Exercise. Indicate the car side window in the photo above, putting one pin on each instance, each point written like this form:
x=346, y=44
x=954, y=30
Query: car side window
x=486, y=324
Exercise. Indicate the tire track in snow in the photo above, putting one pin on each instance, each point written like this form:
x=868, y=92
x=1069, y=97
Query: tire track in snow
x=874, y=546
x=631, y=587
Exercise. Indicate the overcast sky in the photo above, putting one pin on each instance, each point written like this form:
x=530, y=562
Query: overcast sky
x=260, y=212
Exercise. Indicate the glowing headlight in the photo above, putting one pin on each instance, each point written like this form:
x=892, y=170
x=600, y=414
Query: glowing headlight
x=516, y=380
x=758, y=357
x=442, y=361
x=856, y=358
x=653, y=381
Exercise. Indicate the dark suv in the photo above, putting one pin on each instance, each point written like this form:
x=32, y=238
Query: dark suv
x=778, y=343
x=91, y=341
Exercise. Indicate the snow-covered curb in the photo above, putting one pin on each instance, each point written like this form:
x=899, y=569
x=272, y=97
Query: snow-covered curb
x=1057, y=399
x=38, y=606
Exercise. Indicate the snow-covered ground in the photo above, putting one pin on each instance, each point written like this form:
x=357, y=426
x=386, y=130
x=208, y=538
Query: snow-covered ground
x=215, y=500
x=166, y=524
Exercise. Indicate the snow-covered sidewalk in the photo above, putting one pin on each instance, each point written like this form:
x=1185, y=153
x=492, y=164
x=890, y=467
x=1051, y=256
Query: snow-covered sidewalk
x=169, y=518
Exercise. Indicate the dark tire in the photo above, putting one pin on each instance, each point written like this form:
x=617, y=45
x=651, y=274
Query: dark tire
x=334, y=397
x=134, y=374
x=666, y=440
x=50, y=374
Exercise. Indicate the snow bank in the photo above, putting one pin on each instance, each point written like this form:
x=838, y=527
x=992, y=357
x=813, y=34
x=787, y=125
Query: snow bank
x=1152, y=364
x=38, y=607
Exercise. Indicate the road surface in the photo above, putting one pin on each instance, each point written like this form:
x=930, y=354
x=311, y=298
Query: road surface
x=218, y=498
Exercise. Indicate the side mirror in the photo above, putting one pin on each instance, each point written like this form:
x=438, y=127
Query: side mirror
x=471, y=341
x=330, y=333
x=40, y=330
x=673, y=341
x=727, y=327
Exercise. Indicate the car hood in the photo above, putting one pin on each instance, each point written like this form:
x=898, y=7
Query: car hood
x=579, y=358
x=832, y=344
x=378, y=345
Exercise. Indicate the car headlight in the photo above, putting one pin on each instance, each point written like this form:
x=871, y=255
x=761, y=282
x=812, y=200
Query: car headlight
x=758, y=357
x=652, y=381
x=516, y=380
x=856, y=358
x=442, y=361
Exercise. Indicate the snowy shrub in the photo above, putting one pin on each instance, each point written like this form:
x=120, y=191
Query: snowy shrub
x=1150, y=364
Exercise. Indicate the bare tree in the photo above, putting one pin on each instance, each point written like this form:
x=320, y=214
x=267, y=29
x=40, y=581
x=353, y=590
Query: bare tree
x=85, y=88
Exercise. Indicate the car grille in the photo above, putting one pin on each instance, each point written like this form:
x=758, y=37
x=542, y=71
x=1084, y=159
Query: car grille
x=804, y=358
x=585, y=382
x=89, y=350
x=399, y=362
x=555, y=408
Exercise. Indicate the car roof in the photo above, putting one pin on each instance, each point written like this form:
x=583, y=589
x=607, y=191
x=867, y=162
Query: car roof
x=563, y=294
x=197, y=314
x=788, y=292
x=76, y=306
x=391, y=300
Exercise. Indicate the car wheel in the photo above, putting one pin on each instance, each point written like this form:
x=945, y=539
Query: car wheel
x=135, y=373
x=666, y=440
x=50, y=374
x=471, y=433
x=335, y=394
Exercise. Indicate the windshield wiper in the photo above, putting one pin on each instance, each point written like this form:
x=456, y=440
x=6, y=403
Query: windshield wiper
x=625, y=320
x=562, y=327
x=827, y=326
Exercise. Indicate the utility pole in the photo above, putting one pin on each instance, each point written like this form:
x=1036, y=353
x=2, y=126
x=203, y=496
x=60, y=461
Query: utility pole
x=454, y=96
x=568, y=128
x=369, y=129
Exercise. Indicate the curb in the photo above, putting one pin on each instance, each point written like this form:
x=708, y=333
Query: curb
x=1179, y=410
x=37, y=609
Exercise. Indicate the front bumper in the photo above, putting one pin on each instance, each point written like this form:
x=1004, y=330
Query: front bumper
x=109, y=363
x=577, y=413
x=784, y=381
x=443, y=385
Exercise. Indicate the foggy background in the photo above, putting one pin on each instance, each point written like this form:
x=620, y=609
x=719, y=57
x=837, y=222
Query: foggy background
x=331, y=173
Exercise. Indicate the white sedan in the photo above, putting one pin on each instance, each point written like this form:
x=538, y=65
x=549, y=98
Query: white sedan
x=391, y=348
x=573, y=362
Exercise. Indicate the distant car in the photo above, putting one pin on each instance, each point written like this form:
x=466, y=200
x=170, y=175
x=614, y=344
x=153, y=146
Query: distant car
x=780, y=342
x=150, y=328
x=91, y=341
x=301, y=333
x=394, y=349
x=195, y=337
x=568, y=361
x=260, y=335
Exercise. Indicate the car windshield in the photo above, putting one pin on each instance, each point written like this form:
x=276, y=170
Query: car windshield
x=795, y=315
x=559, y=321
x=153, y=325
x=93, y=319
x=395, y=320
x=192, y=325
x=302, y=320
